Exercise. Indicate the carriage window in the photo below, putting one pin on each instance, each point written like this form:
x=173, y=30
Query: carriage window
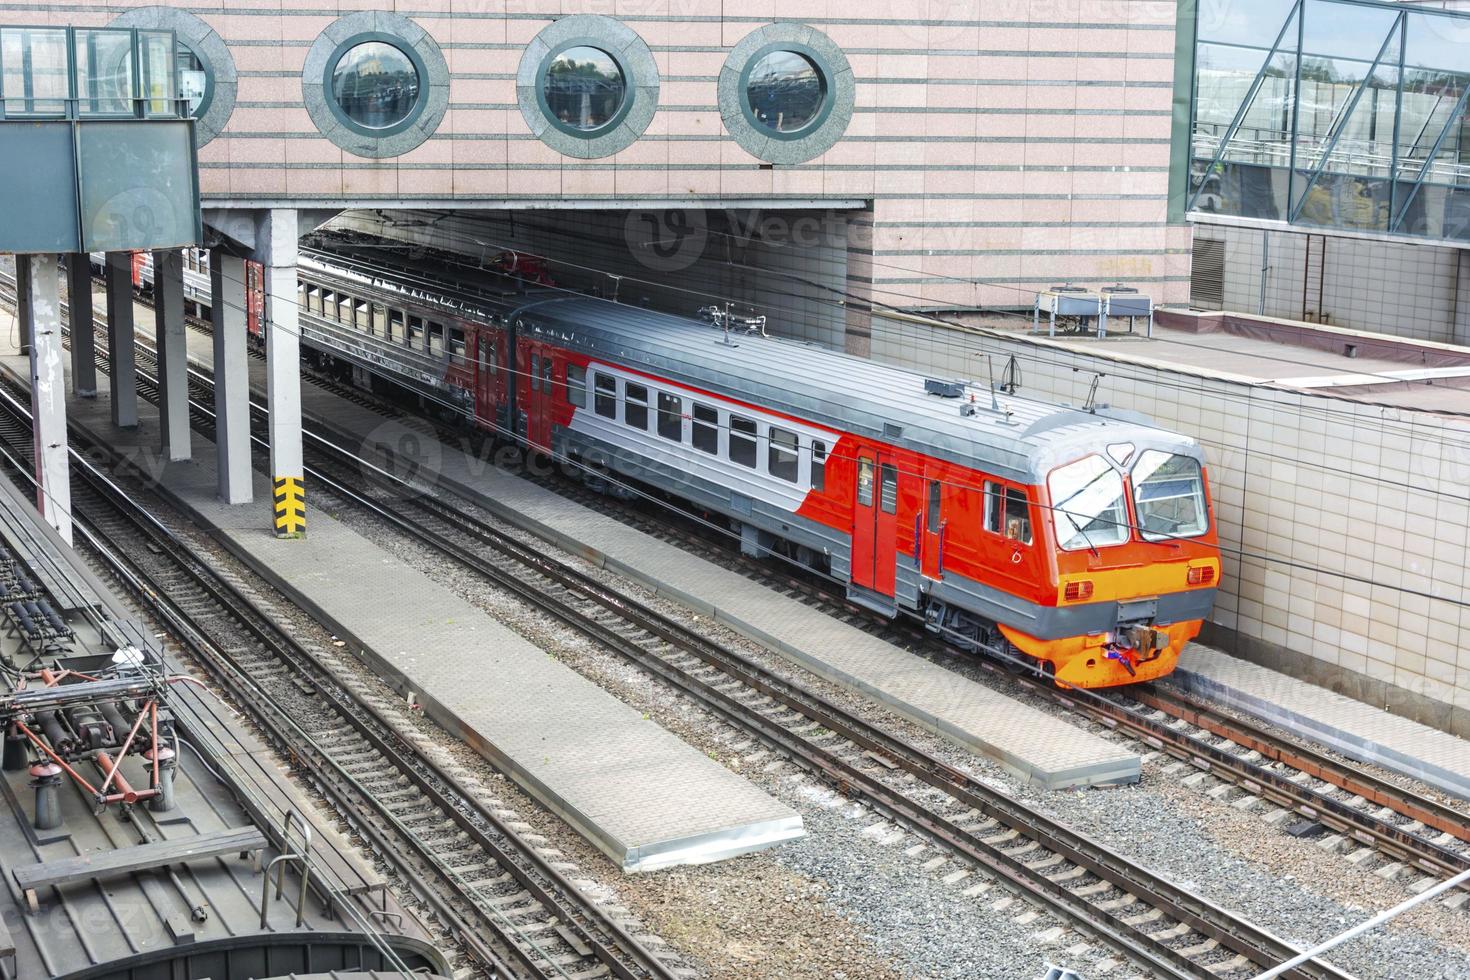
x=492, y=358
x=546, y=385
x=993, y=507
x=362, y=316
x=535, y=372
x=605, y=403
x=576, y=384
x=436, y=337
x=936, y=500
x=380, y=321
x=395, y=326
x=781, y=456
x=456, y=345
x=742, y=441
x=1169, y=494
x=1018, y=516
x=671, y=417
x=416, y=332
x=705, y=431
x=819, y=465
x=329, y=304
x=865, y=482
x=313, y=299
x=888, y=488
x=635, y=408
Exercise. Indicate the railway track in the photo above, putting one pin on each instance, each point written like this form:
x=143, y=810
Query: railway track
x=491, y=892
x=1139, y=915
x=1115, y=892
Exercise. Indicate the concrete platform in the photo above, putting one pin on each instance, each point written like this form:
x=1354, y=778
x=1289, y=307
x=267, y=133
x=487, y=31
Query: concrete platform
x=1037, y=747
x=1359, y=731
x=642, y=795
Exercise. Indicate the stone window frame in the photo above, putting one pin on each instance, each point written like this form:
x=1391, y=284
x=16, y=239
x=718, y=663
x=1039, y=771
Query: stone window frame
x=634, y=59
x=358, y=28
x=221, y=78
x=832, y=121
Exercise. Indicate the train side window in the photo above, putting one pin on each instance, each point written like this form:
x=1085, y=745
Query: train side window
x=362, y=317
x=313, y=299
x=416, y=332
x=395, y=326
x=742, y=441
x=576, y=383
x=329, y=304
x=1018, y=516
x=606, y=400
x=546, y=384
x=781, y=458
x=993, y=506
x=705, y=429
x=888, y=488
x=865, y=482
x=436, y=338
x=936, y=501
x=819, y=465
x=380, y=321
x=635, y=406
x=535, y=372
x=671, y=417
x=456, y=345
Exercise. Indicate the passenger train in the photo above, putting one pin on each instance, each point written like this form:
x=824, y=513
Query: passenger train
x=1084, y=539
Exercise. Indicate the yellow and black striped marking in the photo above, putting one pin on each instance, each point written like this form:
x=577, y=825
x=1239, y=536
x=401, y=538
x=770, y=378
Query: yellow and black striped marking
x=290, y=507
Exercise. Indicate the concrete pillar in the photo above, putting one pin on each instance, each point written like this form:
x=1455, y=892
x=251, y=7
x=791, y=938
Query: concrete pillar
x=173, y=354
x=83, y=338
x=23, y=266
x=283, y=371
x=231, y=377
x=122, y=372
x=48, y=395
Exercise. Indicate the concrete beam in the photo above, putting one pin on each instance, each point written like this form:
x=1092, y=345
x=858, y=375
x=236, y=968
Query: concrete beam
x=122, y=371
x=48, y=394
x=173, y=354
x=283, y=371
x=231, y=377
x=83, y=335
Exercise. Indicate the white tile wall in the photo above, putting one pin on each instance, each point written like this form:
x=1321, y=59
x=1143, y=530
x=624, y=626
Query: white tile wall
x=1405, y=290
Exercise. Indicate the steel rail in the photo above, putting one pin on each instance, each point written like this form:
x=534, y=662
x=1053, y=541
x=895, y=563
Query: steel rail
x=624, y=956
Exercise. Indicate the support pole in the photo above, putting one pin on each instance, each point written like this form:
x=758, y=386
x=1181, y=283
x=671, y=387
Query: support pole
x=173, y=354
x=48, y=396
x=283, y=370
x=231, y=377
x=122, y=372
x=83, y=336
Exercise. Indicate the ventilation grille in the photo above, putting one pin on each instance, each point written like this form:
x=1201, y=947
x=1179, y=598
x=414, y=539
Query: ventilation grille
x=1207, y=275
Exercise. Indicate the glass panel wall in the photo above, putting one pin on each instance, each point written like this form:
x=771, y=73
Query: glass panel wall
x=1333, y=113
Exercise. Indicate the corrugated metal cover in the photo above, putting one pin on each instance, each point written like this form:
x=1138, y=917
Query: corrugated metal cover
x=1207, y=275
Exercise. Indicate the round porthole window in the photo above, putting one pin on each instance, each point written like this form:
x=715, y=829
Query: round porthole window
x=375, y=86
x=584, y=89
x=785, y=92
x=587, y=86
x=205, y=68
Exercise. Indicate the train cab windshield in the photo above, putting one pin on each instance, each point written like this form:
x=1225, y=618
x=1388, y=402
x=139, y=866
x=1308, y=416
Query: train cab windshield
x=1088, y=506
x=1169, y=496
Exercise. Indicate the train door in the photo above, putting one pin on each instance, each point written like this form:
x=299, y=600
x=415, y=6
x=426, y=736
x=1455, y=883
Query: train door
x=488, y=385
x=875, y=523
x=537, y=393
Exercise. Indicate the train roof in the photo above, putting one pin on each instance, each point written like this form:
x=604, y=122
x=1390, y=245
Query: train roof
x=1018, y=438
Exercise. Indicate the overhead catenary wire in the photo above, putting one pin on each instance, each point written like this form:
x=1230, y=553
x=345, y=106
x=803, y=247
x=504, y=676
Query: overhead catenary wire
x=1242, y=553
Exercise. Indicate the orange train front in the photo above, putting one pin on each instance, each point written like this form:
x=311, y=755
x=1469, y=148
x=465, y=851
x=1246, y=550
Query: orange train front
x=1083, y=539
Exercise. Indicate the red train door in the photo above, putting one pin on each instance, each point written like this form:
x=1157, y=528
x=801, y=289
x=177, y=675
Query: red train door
x=875, y=522
x=537, y=391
